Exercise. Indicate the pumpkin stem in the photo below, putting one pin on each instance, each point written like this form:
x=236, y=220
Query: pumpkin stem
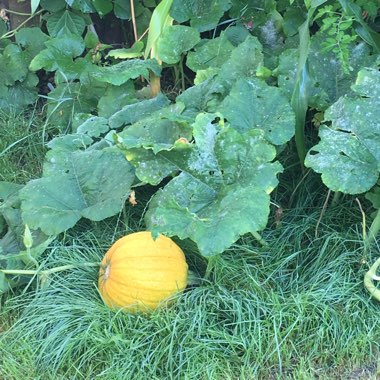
x=107, y=272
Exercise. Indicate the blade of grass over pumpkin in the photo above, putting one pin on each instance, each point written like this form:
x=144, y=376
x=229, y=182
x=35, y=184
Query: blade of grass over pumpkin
x=299, y=99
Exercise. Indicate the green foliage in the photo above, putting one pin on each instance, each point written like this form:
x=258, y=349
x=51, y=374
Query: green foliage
x=221, y=170
x=210, y=147
x=250, y=105
x=302, y=290
x=339, y=31
x=203, y=14
x=176, y=40
x=92, y=184
x=348, y=154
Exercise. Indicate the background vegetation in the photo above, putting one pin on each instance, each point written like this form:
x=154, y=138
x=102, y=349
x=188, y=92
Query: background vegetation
x=247, y=131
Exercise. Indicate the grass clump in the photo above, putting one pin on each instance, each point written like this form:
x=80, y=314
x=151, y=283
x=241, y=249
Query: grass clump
x=21, y=146
x=293, y=309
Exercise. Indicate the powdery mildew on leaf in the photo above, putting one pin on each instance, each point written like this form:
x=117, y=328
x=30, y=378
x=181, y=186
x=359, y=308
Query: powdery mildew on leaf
x=223, y=189
x=348, y=155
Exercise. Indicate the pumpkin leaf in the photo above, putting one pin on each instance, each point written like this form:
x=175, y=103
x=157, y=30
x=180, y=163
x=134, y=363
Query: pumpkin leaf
x=210, y=53
x=133, y=112
x=59, y=53
x=115, y=98
x=348, y=155
x=121, y=72
x=92, y=184
x=13, y=254
x=159, y=131
x=94, y=126
x=103, y=7
x=243, y=62
x=63, y=102
x=13, y=65
x=206, y=96
x=250, y=105
x=176, y=40
x=222, y=171
x=32, y=39
x=135, y=51
x=203, y=14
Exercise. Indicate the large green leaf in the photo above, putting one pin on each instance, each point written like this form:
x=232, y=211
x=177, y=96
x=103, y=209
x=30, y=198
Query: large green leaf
x=65, y=21
x=84, y=6
x=244, y=61
x=176, y=40
x=203, y=14
x=115, y=98
x=348, y=155
x=158, y=131
x=210, y=53
x=13, y=254
x=102, y=6
x=206, y=96
x=121, y=72
x=133, y=112
x=59, y=53
x=53, y=5
x=122, y=9
x=326, y=80
x=92, y=184
x=21, y=94
x=13, y=65
x=252, y=104
x=67, y=99
x=94, y=126
x=223, y=189
x=32, y=39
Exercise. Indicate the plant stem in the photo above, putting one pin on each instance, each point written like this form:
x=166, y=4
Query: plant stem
x=373, y=230
x=17, y=13
x=182, y=74
x=368, y=280
x=259, y=238
x=13, y=32
x=210, y=266
x=155, y=84
x=47, y=271
x=134, y=20
x=336, y=198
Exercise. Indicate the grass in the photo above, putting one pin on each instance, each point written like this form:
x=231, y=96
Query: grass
x=295, y=309
x=21, y=147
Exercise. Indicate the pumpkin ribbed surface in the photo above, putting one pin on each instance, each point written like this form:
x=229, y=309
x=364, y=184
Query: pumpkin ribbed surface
x=138, y=273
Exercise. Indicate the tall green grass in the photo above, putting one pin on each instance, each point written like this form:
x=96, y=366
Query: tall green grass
x=295, y=309
x=21, y=146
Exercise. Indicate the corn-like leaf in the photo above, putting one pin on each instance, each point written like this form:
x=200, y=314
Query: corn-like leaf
x=160, y=19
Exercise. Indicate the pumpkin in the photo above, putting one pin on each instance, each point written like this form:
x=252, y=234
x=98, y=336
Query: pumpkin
x=139, y=273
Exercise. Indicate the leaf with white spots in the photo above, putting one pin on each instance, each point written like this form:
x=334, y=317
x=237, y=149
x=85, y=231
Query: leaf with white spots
x=92, y=184
x=176, y=40
x=348, y=155
x=222, y=191
x=253, y=104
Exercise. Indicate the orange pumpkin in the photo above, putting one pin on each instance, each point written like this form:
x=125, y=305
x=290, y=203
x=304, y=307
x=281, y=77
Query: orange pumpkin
x=138, y=273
